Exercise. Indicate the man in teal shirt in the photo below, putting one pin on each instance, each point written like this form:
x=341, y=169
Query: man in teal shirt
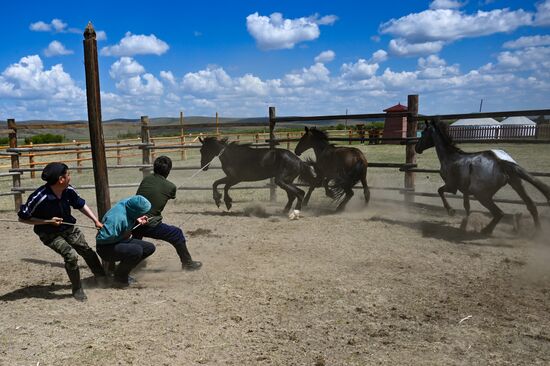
x=158, y=190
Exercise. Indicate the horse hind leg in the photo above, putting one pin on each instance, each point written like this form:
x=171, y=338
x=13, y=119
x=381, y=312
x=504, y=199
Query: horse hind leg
x=293, y=193
x=518, y=187
x=366, y=190
x=497, y=213
x=347, y=197
x=226, y=198
x=464, y=223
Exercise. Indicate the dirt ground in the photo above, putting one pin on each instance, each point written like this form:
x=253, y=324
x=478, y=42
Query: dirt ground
x=386, y=284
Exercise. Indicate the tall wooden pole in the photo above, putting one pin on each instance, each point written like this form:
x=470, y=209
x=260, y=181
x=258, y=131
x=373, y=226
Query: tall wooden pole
x=97, y=141
x=217, y=124
x=16, y=179
x=182, y=139
x=272, y=187
x=146, y=151
x=410, y=154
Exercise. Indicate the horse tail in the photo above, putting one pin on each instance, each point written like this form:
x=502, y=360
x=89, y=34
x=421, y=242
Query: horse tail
x=347, y=180
x=309, y=172
x=514, y=169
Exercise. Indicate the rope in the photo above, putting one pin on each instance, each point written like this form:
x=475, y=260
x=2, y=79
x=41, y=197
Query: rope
x=52, y=221
x=205, y=166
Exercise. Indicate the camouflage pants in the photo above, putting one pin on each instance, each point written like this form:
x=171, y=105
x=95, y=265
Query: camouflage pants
x=69, y=243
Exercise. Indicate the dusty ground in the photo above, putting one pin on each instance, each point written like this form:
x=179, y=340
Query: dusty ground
x=379, y=285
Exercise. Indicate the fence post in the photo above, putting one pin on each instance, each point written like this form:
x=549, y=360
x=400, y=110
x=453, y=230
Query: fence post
x=145, y=139
x=272, y=187
x=410, y=154
x=16, y=179
x=118, y=153
x=288, y=142
x=78, y=158
x=182, y=139
x=97, y=141
x=31, y=163
x=349, y=136
x=217, y=129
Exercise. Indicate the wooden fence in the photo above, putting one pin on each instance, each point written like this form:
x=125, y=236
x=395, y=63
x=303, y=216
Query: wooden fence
x=28, y=158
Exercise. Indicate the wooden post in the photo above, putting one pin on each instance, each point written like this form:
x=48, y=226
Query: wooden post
x=145, y=139
x=16, y=179
x=349, y=136
x=288, y=142
x=78, y=158
x=97, y=141
x=182, y=138
x=31, y=163
x=217, y=129
x=410, y=154
x=118, y=154
x=272, y=187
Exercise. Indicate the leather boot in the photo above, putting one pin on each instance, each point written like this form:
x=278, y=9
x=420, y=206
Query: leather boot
x=78, y=292
x=187, y=263
x=94, y=264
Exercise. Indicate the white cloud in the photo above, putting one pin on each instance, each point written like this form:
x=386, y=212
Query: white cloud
x=40, y=26
x=325, y=56
x=379, y=56
x=275, y=32
x=168, y=76
x=28, y=79
x=58, y=25
x=532, y=58
x=100, y=35
x=401, y=47
x=359, y=70
x=530, y=41
x=250, y=85
x=317, y=73
x=446, y=4
x=125, y=67
x=141, y=85
x=56, y=48
x=134, y=44
x=206, y=81
x=433, y=67
x=450, y=25
x=542, y=16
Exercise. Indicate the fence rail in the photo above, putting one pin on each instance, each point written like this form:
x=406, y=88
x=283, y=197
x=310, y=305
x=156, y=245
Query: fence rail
x=148, y=146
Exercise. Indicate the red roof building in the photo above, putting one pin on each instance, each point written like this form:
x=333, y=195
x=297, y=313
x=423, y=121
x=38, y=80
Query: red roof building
x=395, y=125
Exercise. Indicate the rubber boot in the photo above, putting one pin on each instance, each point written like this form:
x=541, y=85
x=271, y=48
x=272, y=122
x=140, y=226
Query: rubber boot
x=78, y=292
x=187, y=263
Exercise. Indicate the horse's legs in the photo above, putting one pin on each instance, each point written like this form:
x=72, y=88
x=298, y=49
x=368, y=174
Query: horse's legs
x=328, y=192
x=347, y=197
x=292, y=192
x=448, y=207
x=497, y=213
x=226, y=198
x=467, y=209
x=308, y=195
x=518, y=187
x=217, y=195
x=366, y=191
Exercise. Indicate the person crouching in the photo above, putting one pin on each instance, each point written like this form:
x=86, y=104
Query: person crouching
x=114, y=240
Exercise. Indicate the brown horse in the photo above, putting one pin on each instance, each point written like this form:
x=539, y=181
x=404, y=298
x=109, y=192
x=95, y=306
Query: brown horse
x=340, y=167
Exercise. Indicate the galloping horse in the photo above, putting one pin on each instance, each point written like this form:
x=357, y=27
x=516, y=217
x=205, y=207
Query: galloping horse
x=341, y=166
x=244, y=163
x=480, y=174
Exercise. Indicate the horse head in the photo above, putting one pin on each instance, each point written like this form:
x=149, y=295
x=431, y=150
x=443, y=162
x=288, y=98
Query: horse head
x=426, y=139
x=305, y=142
x=211, y=147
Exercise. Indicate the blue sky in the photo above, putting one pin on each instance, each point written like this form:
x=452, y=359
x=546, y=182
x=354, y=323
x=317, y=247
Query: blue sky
x=304, y=57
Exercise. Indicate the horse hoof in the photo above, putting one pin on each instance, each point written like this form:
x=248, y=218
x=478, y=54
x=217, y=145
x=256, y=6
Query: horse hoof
x=294, y=215
x=486, y=231
x=228, y=205
x=218, y=203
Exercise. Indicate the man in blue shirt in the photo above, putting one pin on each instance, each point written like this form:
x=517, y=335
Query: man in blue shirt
x=48, y=208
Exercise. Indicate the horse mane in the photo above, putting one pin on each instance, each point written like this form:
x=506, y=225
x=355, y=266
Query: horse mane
x=321, y=135
x=443, y=128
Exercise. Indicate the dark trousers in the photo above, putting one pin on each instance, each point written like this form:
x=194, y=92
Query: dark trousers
x=171, y=234
x=129, y=252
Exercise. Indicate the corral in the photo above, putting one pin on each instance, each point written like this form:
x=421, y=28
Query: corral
x=387, y=283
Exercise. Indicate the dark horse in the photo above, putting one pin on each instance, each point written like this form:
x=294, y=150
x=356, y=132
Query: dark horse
x=480, y=174
x=340, y=167
x=244, y=163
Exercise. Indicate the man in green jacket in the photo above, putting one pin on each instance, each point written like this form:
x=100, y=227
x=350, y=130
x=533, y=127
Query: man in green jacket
x=158, y=190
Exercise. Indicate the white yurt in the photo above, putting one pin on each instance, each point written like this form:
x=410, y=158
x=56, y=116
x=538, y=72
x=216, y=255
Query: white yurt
x=520, y=126
x=475, y=128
